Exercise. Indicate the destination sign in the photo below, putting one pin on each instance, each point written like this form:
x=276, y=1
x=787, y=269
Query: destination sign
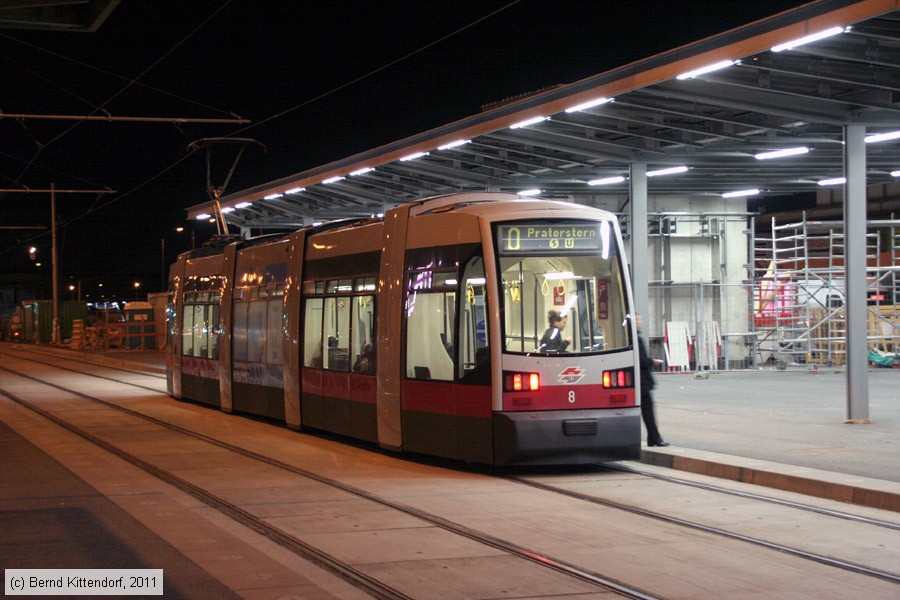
x=541, y=237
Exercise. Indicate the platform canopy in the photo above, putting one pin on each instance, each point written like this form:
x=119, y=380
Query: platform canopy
x=55, y=15
x=663, y=112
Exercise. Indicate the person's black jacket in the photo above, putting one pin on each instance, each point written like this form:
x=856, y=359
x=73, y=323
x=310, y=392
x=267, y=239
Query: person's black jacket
x=646, y=364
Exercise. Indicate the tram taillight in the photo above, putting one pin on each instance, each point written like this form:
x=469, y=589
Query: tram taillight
x=618, y=378
x=522, y=382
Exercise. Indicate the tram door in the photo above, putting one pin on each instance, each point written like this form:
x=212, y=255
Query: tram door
x=447, y=393
x=474, y=359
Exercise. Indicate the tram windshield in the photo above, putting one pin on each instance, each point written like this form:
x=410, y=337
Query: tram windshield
x=566, y=270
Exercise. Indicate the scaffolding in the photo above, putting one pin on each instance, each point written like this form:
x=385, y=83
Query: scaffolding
x=799, y=291
x=699, y=288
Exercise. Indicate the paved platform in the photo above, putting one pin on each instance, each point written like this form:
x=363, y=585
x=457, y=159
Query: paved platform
x=782, y=429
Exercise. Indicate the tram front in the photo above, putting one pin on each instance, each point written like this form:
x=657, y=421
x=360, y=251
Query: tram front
x=566, y=389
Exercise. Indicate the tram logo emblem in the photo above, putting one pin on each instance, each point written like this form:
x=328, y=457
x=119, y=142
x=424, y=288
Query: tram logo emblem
x=571, y=375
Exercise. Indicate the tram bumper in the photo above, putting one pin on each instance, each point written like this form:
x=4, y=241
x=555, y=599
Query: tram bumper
x=565, y=437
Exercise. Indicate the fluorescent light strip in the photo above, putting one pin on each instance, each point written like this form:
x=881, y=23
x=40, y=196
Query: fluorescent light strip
x=781, y=153
x=202, y=216
x=227, y=209
x=740, y=193
x=834, y=181
x=454, y=144
x=606, y=180
x=895, y=173
x=534, y=192
x=669, y=171
x=360, y=171
x=295, y=190
x=882, y=137
x=723, y=64
x=813, y=37
x=588, y=104
x=413, y=156
x=528, y=122
x=332, y=179
x=243, y=204
x=272, y=197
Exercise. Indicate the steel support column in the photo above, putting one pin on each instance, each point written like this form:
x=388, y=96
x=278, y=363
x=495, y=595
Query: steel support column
x=639, y=253
x=855, y=273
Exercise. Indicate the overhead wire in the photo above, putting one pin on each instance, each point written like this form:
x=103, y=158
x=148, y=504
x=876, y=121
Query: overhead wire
x=377, y=70
x=104, y=72
x=130, y=83
x=97, y=207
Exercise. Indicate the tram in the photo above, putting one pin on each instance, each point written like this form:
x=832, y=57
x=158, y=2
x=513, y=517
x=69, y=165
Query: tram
x=420, y=331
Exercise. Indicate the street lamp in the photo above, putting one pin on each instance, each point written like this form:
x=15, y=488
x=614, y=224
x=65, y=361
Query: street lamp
x=137, y=284
x=163, y=265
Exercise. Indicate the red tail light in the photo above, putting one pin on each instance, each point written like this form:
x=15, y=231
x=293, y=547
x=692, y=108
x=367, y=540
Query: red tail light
x=521, y=382
x=619, y=378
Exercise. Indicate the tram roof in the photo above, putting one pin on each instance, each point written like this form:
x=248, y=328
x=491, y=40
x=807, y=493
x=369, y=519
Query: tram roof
x=715, y=124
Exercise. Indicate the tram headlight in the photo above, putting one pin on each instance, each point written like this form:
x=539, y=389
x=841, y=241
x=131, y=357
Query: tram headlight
x=521, y=382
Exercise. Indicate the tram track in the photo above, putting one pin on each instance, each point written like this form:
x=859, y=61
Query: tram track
x=342, y=569
x=752, y=496
x=512, y=548
x=826, y=560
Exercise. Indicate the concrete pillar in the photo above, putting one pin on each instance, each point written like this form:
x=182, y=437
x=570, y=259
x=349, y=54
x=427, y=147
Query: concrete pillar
x=639, y=254
x=855, y=273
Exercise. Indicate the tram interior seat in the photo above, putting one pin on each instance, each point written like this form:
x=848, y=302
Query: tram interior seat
x=422, y=372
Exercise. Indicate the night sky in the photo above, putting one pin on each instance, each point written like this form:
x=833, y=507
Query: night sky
x=320, y=80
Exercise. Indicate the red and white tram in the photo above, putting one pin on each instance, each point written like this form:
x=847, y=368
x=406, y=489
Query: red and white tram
x=420, y=331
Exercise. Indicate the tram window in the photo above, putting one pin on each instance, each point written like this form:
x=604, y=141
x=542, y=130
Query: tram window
x=239, y=332
x=474, y=336
x=171, y=324
x=187, y=336
x=365, y=284
x=213, y=320
x=256, y=331
x=588, y=289
x=336, y=330
x=336, y=286
x=429, y=334
x=275, y=333
x=312, y=333
x=362, y=345
x=200, y=331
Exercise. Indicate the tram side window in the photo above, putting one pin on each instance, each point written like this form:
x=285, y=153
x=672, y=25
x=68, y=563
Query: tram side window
x=312, y=333
x=200, y=333
x=256, y=331
x=259, y=325
x=337, y=333
x=430, y=312
x=362, y=345
x=275, y=332
x=474, y=335
x=239, y=330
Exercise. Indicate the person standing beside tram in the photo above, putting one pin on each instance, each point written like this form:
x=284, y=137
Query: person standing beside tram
x=647, y=384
